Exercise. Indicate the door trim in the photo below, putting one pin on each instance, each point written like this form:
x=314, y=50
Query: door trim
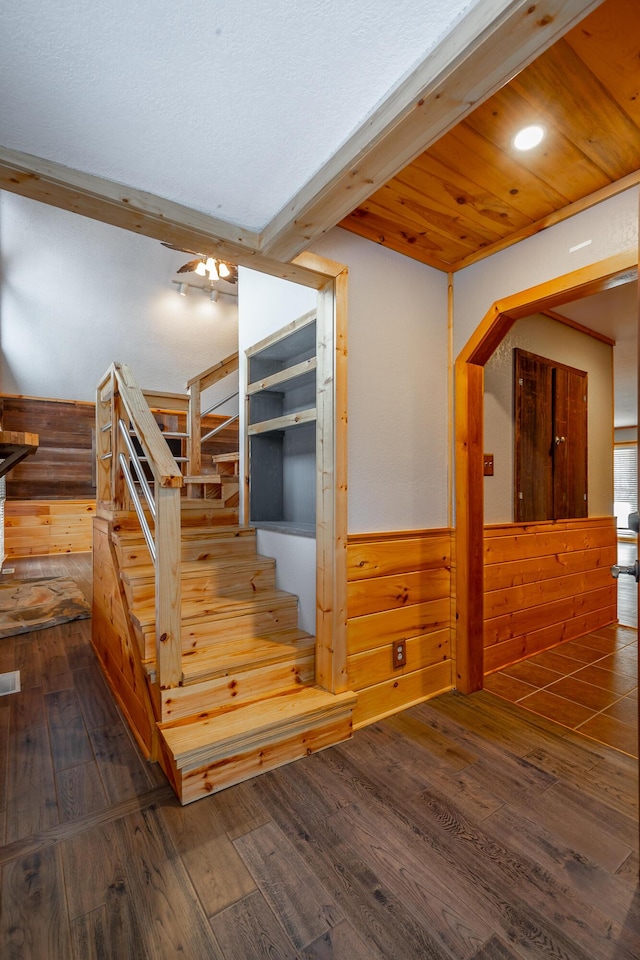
x=469, y=423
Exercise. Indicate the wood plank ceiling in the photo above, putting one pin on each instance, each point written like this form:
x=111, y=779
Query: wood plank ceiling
x=472, y=193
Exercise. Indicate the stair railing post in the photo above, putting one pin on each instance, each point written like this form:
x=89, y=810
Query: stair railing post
x=121, y=499
x=194, y=439
x=104, y=447
x=168, y=613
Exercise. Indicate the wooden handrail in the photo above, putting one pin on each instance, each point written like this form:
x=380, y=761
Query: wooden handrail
x=217, y=372
x=120, y=399
x=161, y=400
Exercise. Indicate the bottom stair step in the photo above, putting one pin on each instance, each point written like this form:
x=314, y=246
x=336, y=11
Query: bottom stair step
x=205, y=756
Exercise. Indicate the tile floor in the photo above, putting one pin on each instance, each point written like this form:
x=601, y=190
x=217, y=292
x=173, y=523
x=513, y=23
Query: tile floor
x=589, y=685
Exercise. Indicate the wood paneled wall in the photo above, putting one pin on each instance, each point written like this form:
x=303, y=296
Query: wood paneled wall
x=544, y=583
x=399, y=588
x=63, y=466
x=37, y=528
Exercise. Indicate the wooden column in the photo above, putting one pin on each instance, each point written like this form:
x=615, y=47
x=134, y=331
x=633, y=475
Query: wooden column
x=168, y=619
x=331, y=474
x=104, y=416
x=194, y=446
x=331, y=491
x=469, y=527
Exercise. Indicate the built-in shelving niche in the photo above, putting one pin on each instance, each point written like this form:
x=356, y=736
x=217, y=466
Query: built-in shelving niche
x=281, y=397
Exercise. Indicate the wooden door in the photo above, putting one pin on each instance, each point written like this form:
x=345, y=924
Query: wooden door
x=550, y=439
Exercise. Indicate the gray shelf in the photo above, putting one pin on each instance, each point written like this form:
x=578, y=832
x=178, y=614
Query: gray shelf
x=282, y=432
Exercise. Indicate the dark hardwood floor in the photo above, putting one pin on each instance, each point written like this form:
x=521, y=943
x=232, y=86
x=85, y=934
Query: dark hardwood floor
x=462, y=829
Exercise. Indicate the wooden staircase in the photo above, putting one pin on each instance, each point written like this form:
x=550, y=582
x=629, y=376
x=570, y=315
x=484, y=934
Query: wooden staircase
x=247, y=701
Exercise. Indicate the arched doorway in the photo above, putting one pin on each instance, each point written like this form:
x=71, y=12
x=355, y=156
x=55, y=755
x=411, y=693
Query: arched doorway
x=469, y=387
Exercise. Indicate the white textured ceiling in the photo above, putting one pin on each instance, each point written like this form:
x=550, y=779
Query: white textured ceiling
x=226, y=106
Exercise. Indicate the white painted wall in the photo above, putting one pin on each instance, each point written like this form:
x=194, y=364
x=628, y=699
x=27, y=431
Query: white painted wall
x=559, y=342
x=295, y=570
x=397, y=390
x=611, y=226
x=77, y=294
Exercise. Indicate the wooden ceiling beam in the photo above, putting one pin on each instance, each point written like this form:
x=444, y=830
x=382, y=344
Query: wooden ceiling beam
x=142, y=213
x=487, y=47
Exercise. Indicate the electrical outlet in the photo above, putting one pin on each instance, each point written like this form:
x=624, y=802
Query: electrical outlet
x=399, y=653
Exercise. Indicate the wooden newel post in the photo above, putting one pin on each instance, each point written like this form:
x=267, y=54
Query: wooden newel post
x=168, y=619
x=119, y=491
x=104, y=446
x=194, y=448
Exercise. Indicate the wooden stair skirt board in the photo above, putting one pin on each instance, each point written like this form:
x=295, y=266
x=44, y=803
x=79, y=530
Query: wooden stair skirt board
x=247, y=701
x=208, y=756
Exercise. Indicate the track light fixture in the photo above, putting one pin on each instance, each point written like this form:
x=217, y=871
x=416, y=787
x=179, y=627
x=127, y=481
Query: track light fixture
x=183, y=288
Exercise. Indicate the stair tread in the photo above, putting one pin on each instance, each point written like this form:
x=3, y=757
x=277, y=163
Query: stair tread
x=193, y=533
x=212, y=662
x=218, y=607
x=222, y=457
x=195, y=568
x=234, y=729
x=210, y=478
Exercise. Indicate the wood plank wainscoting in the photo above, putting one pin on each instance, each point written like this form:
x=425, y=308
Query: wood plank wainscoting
x=63, y=466
x=38, y=528
x=545, y=583
x=399, y=588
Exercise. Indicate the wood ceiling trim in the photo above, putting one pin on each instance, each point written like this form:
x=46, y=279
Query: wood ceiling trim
x=412, y=243
x=480, y=54
x=406, y=190
x=565, y=213
x=401, y=205
x=372, y=227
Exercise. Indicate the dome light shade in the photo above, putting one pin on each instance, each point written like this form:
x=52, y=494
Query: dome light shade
x=528, y=137
x=212, y=268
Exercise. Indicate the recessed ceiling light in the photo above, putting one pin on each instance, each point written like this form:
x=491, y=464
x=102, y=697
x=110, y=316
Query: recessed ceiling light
x=528, y=137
